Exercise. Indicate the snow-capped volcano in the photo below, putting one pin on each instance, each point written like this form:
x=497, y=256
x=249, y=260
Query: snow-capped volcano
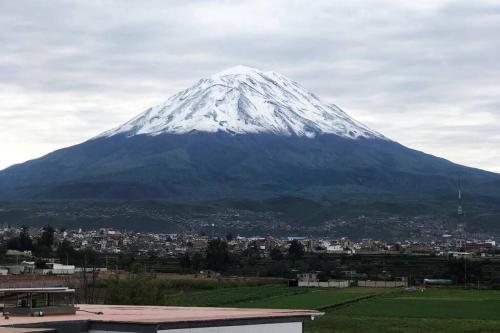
x=241, y=133
x=243, y=100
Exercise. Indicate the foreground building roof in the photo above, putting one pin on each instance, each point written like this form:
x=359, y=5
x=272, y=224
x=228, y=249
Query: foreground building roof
x=154, y=319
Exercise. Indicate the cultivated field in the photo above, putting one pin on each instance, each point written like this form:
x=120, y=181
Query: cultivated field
x=368, y=310
x=233, y=297
x=438, y=310
x=312, y=298
x=346, y=310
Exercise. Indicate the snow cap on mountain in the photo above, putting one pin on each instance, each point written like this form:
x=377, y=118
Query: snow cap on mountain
x=242, y=100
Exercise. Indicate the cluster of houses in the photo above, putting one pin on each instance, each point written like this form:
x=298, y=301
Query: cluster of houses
x=173, y=245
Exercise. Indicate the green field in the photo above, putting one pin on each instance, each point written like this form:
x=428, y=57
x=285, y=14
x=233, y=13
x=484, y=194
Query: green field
x=233, y=297
x=345, y=310
x=270, y=296
x=367, y=310
x=462, y=304
x=310, y=299
x=438, y=310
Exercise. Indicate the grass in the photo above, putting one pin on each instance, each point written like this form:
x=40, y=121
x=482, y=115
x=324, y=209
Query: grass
x=309, y=299
x=438, y=310
x=232, y=296
x=148, y=289
x=353, y=324
x=270, y=296
x=350, y=310
x=460, y=304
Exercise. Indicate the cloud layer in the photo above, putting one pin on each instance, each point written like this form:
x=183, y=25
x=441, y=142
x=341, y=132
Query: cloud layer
x=425, y=74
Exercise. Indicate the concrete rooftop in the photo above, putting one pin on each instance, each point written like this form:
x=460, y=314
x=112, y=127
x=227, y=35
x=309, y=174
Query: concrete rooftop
x=156, y=315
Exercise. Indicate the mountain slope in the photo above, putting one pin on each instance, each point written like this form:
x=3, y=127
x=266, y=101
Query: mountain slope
x=239, y=133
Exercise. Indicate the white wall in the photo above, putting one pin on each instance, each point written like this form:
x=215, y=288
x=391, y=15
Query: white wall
x=329, y=284
x=264, y=328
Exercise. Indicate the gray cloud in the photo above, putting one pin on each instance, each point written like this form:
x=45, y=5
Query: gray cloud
x=425, y=74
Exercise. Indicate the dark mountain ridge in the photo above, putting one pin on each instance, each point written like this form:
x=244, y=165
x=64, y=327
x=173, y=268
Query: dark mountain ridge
x=199, y=165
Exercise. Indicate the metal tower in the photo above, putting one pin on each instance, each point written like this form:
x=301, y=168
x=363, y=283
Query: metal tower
x=460, y=213
x=462, y=236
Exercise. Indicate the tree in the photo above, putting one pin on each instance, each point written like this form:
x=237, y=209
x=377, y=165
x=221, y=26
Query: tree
x=252, y=250
x=196, y=261
x=25, y=241
x=217, y=254
x=185, y=261
x=40, y=264
x=22, y=242
x=47, y=237
x=278, y=269
x=137, y=289
x=43, y=251
x=296, y=250
x=66, y=252
x=13, y=243
x=276, y=254
x=90, y=261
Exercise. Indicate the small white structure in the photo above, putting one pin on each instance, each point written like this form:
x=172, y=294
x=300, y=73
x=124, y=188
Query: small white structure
x=328, y=284
x=59, y=269
x=307, y=277
x=17, y=253
x=456, y=254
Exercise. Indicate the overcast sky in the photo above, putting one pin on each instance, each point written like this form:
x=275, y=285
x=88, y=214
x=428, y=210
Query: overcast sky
x=424, y=73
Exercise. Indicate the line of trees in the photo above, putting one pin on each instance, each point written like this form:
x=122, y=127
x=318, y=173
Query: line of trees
x=41, y=246
x=218, y=257
x=45, y=246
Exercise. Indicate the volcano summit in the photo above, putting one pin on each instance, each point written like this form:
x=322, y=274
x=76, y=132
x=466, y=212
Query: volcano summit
x=244, y=100
x=239, y=133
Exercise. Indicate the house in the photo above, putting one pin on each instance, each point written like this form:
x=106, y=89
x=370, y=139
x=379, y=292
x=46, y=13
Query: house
x=307, y=277
x=56, y=269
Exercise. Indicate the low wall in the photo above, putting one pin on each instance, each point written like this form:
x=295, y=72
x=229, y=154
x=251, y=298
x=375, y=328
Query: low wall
x=329, y=284
x=39, y=281
x=382, y=284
